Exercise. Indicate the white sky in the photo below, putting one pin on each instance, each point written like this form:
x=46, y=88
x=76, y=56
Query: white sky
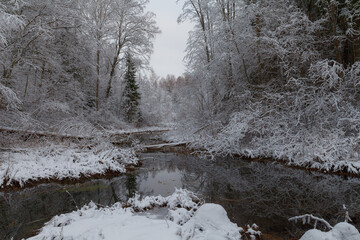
x=169, y=46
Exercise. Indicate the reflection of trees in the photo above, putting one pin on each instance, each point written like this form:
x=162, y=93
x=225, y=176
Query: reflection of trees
x=269, y=194
x=265, y=193
x=23, y=212
x=131, y=185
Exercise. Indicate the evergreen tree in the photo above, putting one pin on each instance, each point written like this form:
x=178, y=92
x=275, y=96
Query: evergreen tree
x=131, y=92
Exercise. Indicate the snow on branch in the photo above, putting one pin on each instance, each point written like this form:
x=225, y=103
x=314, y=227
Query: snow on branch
x=307, y=219
x=8, y=22
x=10, y=98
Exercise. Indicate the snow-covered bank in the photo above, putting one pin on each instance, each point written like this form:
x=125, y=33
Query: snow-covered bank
x=94, y=133
x=186, y=218
x=61, y=162
x=329, y=154
x=311, y=121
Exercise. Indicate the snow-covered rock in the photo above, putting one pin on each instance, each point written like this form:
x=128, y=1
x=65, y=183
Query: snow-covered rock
x=341, y=231
x=210, y=223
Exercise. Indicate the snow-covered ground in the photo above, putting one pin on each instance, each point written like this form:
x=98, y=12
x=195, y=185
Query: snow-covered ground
x=59, y=162
x=186, y=218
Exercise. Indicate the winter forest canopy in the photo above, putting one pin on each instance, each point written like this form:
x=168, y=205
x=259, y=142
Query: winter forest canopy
x=270, y=78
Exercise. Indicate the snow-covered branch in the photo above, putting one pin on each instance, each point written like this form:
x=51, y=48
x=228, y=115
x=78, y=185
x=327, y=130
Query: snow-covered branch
x=306, y=219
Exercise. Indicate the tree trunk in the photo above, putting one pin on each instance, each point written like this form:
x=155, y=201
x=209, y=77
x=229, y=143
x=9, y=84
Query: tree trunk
x=258, y=43
x=112, y=74
x=113, y=67
x=333, y=21
x=26, y=86
x=357, y=50
x=97, y=79
x=42, y=75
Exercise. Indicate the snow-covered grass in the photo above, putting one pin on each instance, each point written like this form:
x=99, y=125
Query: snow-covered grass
x=62, y=162
x=186, y=219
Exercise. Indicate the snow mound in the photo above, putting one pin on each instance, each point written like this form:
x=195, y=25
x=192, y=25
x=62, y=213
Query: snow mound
x=341, y=231
x=110, y=223
x=210, y=223
x=188, y=220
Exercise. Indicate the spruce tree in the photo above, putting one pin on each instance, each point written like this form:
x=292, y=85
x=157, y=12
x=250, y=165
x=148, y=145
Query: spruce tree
x=131, y=93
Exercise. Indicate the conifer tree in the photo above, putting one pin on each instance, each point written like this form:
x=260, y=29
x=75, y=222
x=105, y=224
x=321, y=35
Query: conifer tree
x=131, y=92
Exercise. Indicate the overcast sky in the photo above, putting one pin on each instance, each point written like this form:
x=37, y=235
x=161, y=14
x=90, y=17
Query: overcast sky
x=170, y=45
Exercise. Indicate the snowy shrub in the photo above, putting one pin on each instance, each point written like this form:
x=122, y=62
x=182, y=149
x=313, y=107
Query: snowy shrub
x=8, y=22
x=181, y=198
x=77, y=127
x=9, y=98
x=315, y=123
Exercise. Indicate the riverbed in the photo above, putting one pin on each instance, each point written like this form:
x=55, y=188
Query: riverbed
x=264, y=193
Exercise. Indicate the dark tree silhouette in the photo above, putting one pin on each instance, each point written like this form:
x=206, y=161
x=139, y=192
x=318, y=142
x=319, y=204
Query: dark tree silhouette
x=131, y=93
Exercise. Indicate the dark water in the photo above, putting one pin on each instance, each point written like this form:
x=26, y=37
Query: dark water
x=252, y=192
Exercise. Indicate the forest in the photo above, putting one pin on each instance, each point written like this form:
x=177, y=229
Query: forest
x=265, y=79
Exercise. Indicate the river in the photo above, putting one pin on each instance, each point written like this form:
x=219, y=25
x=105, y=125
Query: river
x=251, y=192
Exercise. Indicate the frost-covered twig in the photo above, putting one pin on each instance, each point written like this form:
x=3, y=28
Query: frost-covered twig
x=347, y=217
x=308, y=217
x=72, y=198
x=9, y=96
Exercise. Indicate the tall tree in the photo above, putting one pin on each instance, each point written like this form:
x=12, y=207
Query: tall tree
x=134, y=29
x=131, y=92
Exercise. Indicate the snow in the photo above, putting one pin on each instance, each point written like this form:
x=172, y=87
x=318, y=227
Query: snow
x=88, y=131
x=186, y=219
x=174, y=144
x=210, y=222
x=181, y=198
x=137, y=130
x=341, y=231
x=61, y=162
x=92, y=222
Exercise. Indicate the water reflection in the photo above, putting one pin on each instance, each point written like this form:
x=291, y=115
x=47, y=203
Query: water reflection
x=264, y=193
x=131, y=186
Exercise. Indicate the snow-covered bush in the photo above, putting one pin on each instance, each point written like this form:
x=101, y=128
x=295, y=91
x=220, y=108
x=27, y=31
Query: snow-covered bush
x=9, y=98
x=314, y=122
x=181, y=198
